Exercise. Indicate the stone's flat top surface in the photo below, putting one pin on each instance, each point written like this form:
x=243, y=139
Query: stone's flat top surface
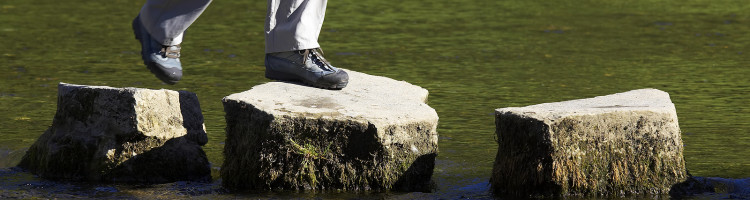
x=367, y=97
x=635, y=100
x=65, y=88
x=63, y=85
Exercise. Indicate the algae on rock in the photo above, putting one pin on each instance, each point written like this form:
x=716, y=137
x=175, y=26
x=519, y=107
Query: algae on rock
x=625, y=143
x=376, y=134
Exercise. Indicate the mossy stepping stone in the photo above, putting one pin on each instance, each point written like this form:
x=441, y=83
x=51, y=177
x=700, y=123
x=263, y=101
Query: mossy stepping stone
x=375, y=134
x=625, y=143
x=108, y=134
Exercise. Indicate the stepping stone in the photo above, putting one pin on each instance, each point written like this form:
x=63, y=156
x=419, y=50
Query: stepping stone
x=107, y=134
x=625, y=143
x=375, y=134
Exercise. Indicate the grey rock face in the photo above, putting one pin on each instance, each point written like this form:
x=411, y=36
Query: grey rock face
x=102, y=133
x=625, y=143
x=375, y=134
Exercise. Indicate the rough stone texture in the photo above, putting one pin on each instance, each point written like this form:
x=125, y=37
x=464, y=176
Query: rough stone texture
x=102, y=133
x=375, y=134
x=625, y=143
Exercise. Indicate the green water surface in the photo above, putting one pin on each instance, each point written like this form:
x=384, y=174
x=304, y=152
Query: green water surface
x=472, y=55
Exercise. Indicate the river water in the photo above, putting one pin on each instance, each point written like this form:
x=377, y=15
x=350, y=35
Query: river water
x=473, y=56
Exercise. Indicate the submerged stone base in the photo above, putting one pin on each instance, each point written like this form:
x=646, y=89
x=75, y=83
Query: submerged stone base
x=122, y=135
x=625, y=143
x=375, y=134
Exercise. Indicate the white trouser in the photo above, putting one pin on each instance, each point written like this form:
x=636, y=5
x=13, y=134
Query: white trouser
x=167, y=20
x=294, y=24
x=290, y=24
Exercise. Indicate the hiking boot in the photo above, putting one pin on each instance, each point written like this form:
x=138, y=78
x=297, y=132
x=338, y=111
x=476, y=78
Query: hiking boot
x=307, y=66
x=162, y=60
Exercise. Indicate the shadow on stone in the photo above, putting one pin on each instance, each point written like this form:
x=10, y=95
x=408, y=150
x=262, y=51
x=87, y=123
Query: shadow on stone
x=516, y=172
x=190, y=109
x=180, y=158
x=418, y=178
x=160, y=165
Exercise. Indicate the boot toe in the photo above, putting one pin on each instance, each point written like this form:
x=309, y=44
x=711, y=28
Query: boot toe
x=336, y=80
x=170, y=75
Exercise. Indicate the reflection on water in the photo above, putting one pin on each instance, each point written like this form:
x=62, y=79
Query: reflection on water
x=11, y=157
x=473, y=56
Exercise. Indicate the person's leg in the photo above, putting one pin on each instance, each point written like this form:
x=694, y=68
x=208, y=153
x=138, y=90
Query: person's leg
x=294, y=25
x=292, y=49
x=160, y=27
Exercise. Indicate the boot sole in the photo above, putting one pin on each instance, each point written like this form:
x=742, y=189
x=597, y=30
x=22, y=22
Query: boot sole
x=282, y=76
x=150, y=65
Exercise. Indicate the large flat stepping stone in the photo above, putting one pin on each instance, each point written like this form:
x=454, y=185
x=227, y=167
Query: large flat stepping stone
x=101, y=133
x=375, y=134
x=625, y=143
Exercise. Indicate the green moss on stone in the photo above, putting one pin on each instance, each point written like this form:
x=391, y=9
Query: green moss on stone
x=615, y=153
x=304, y=153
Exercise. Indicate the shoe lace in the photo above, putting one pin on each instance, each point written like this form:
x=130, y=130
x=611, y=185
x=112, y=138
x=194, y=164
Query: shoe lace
x=316, y=56
x=170, y=51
